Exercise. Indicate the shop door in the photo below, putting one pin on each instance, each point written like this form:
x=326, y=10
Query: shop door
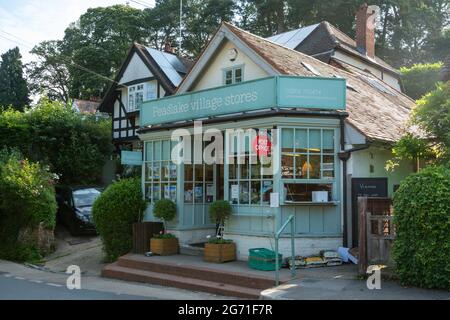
x=365, y=187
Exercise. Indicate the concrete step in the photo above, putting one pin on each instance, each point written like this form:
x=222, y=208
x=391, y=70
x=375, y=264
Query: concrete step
x=116, y=271
x=248, y=280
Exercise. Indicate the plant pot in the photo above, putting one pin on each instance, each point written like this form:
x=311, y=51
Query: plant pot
x=164, y=247
x=220, y=252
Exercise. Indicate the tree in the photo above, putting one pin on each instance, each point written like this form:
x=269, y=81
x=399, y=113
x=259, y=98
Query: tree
x=13, y=86
x=420, y=78
x=49, y=74
x=96, y=45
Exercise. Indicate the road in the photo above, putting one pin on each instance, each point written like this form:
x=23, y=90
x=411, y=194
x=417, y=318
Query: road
x=15, y=288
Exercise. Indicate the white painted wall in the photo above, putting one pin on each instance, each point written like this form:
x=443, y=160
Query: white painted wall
x=213, y=75
x=136, y=69
x=360, y=64
x=360, y=161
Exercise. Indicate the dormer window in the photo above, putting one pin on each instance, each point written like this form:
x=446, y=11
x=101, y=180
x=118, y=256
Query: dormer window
x=233, y=75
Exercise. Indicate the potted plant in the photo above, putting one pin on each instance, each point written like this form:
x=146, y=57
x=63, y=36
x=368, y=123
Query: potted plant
x=164, y=244
x=218, y=249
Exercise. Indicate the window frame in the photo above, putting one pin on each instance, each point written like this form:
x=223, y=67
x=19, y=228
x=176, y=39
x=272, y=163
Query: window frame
x=233, y=70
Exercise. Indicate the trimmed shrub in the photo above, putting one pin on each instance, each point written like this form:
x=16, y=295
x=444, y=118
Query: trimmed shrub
x=114, y=213
x=27, y=207
x=420, y=78
x=219, y=211
x=422, y=220
x=166, y=210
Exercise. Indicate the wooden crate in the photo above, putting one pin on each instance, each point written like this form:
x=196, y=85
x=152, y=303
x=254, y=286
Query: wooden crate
x=164, y=247
x=142, y=233
x=220, y=252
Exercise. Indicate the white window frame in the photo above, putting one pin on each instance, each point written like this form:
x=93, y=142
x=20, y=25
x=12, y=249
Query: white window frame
x=233, y=77
x=133, y=92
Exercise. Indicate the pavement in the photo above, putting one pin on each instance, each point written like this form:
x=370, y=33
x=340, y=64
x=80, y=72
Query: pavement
x=341, y=283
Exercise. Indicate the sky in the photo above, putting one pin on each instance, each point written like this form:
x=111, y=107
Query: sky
x=28, y=22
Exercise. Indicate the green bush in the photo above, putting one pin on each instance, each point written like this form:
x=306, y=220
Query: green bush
x=74, y=146
x=114, y=213
x=220, y=211
x=422, y=220
x=27, y=200
x=166, y=210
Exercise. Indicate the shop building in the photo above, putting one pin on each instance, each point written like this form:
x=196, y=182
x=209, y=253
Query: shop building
x=326, y=126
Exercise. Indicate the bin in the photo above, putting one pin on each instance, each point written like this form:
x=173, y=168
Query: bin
x=263, y=259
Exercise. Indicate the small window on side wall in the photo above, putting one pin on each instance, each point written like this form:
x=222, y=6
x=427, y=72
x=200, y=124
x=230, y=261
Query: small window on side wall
x=233, y=75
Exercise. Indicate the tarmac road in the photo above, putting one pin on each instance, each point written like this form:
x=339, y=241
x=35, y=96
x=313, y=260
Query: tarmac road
x=18, y=288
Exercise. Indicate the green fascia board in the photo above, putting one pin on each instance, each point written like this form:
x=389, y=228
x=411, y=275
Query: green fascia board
x=270, y=92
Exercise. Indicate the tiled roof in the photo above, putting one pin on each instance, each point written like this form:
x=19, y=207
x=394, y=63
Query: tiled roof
x=375, y=109
x=323, y=37
x=86, y=106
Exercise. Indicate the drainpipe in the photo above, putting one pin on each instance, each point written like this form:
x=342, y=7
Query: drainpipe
x=344, y=156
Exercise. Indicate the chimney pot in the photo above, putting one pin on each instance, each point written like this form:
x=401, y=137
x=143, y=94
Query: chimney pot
x=365, y=29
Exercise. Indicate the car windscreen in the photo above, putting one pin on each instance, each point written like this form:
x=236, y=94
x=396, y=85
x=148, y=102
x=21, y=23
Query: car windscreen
x=85, y=197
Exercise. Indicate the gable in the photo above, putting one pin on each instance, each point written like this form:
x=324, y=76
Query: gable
x=213, y=74
x=136, y=69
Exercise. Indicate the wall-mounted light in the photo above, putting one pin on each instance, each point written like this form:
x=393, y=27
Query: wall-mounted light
x=232, y=54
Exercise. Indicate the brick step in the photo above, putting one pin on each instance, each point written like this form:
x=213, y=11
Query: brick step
x=128, y=274
x=197, y=272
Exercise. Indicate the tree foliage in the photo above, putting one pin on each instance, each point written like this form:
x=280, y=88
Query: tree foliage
x=74, y=146
x=420, y=78
x=114, y=213
x=13, y=86
x=27, y=199
x=422, y=221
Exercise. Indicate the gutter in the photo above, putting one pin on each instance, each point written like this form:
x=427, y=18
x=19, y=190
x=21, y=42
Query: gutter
x=344, y=156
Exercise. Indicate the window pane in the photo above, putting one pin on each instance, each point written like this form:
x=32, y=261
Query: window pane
x=156, y=171
x=238, y=73
x=314, y=141
x=233, y=200
x=287, y=140
x=328, y=167
x=256, y=171
x=148, y=192
x=233, y=169
x=328, y=141
x=267, y=187
x=172, y=171
x=198, y=172
x=209, y=173
x=267, y=170
x=188, y=193
x=165, y=171
x=314, y=167
x=301, y=166
x=255, y=192
x=149, y=151
x=303, y=191
x=301, y=140
x=166, y=150
x=139, y=98
x=157, y=150
x=209, y=192
x=244, y=193
x=229, y=77
x=156, y=192
x=198, y=193
x=188, y=174
x=287, y=166
x=149, y=171
x=173, y=192
x=244, y=174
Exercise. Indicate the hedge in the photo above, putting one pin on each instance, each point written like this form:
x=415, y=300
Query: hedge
x=114, y=213
x=422, y=220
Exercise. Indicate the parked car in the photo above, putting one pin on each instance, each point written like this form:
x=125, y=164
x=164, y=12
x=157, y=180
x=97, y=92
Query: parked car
x=75, y=208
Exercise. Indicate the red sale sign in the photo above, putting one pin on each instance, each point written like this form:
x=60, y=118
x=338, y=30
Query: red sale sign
x=262, y=145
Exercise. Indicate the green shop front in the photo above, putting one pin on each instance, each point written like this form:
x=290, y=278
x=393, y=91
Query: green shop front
x=298, y=173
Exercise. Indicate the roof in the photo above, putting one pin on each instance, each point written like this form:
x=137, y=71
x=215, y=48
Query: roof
x=85, y=106
x=324, y=37
x=168, y=68
x=375, y=109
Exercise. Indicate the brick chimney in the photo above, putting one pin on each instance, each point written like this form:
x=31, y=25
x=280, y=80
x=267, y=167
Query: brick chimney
x=365, y=29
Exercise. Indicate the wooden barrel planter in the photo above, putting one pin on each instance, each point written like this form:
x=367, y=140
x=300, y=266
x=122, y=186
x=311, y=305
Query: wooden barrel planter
x=164, y=247
x=220, y=253
x=142, y=233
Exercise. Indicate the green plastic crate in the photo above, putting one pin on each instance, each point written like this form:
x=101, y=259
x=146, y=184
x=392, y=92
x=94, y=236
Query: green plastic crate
x=263, y=259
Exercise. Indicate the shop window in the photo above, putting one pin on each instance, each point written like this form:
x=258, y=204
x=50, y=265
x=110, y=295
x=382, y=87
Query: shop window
x=308, y=154
x=303, y=192
x=233, y=75
x=160, y=172
x=250, y=181
x=199, y=184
